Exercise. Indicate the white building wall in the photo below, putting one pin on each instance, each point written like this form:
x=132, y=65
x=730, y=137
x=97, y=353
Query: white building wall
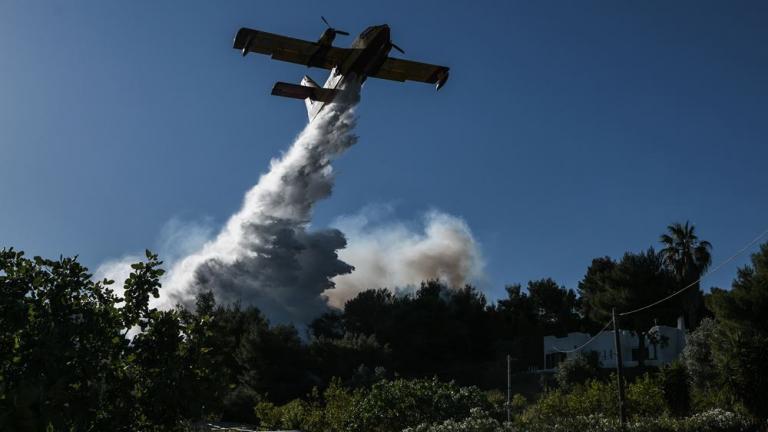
x=670, y=348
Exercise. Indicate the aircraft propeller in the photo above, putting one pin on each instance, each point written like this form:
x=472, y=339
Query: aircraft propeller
x=335, y=32
x=396, y=47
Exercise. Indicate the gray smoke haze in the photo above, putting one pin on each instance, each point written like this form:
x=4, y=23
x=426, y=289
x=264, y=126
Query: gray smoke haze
x=396, y=255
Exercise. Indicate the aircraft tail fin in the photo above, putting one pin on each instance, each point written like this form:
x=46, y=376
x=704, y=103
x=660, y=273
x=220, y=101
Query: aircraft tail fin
x=309, y=82
x=314, y=96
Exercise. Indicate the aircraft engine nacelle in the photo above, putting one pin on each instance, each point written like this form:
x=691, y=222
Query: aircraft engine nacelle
x=441, y=79
x=327, y=37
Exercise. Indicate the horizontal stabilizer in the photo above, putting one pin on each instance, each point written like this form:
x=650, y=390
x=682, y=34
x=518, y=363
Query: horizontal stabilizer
x=303, y=92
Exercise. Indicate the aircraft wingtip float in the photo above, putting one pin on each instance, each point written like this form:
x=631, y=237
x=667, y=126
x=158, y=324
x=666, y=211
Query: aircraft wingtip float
x=368, y=56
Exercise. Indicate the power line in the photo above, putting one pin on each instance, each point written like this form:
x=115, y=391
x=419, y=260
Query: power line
x=716, y=268
x=585, y=343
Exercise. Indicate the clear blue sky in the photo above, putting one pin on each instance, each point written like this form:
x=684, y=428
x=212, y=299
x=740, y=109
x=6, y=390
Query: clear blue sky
x=568, y=130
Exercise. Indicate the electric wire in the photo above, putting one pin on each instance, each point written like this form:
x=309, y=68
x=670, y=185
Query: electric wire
x=716, y=268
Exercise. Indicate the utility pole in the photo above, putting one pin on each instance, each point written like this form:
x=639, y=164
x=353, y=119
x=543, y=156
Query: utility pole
x=619, y=370
x=509, y=388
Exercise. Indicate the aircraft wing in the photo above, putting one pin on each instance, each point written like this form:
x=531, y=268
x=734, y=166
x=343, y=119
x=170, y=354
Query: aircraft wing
x=406, y=70
x=289, y=49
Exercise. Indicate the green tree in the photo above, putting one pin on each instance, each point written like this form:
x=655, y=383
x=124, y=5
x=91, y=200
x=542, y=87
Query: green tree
x=437, y=330
x=577, y=370
x=519, y=333
x=676, y=388
x=339, y=357
x=65, y=362
x=742, y=361
x=688, y=258
x=555, y=305
x=697, y=355
x=638, y=279
x=741, y=355
x=742, y=308
x=391, y=406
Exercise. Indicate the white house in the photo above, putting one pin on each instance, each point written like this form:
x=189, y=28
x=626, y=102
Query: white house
x=663, y=344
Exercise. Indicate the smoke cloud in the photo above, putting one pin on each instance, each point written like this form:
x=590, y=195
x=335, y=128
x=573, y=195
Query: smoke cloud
x=396, y=255
x=177, y=239
x=265, y=254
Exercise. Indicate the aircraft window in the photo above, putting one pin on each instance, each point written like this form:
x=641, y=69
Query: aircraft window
x=366, y=32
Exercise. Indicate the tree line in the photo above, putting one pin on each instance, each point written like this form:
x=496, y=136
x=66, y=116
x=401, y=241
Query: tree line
x=76, y=356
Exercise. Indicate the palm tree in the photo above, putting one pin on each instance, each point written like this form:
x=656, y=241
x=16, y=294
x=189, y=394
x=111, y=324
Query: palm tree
x=688, y=258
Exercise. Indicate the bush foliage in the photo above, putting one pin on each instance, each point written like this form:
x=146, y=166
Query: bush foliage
x=432, y=406
x=387, y=406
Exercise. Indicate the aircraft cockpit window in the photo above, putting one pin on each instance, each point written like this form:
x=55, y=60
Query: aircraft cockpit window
x=367, y=32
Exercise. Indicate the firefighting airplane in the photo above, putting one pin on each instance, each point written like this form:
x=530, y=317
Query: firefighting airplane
x=366, y=57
